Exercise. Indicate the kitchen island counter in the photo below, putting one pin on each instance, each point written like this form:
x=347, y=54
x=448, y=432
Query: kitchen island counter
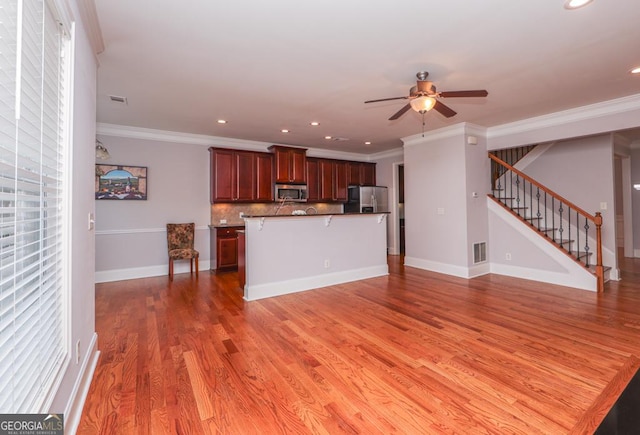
x=291, y=253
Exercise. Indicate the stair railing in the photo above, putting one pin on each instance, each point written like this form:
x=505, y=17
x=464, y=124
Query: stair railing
x=510, y=156
x=553, y=216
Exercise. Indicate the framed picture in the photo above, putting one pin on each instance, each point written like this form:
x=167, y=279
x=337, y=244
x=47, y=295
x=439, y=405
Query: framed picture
x=121, y=182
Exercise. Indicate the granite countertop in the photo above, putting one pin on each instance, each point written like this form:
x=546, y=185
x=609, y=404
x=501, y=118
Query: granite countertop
x=228, y=225
x=312, y=214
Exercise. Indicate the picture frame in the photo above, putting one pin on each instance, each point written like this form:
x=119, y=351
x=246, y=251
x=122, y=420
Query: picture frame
x=121, y=182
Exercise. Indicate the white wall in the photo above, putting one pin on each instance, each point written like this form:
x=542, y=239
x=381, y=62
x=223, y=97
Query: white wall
x=582, y=171
x=635, y=194
x=131, y=234
x=81, y=290
x=435, y=203
x=387, y=175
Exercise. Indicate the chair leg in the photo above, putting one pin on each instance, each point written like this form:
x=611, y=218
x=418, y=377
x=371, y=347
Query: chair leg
x=171, y=269
x=191, y=265
x=197, y=267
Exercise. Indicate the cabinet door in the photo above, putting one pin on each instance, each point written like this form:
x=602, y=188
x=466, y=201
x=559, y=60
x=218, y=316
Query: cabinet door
x=298, y=166
x=313, y=180
x=340, y=181
x=368, y=174
x=264, y=177
x=325, y=169
x=244, y=177
x=353, y=173
x=227, y=251
x=222, y=175
x=283, y=160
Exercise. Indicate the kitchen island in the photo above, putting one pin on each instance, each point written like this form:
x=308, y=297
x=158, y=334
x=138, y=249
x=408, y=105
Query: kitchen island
x=288, y=254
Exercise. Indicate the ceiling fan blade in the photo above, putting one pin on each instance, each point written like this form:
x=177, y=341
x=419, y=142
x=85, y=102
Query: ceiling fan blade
x=400, y=112
x=444, y=110
x=476, y=93
x=386, y=99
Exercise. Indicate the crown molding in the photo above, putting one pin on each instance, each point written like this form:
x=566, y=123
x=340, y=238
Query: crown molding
x=129, y=132
x=460, y=129
x=91, y=23
x=583, y=113
x=397, y=152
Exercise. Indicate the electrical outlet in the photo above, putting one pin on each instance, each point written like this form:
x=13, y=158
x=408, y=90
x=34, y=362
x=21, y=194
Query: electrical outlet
x=223, y=221
x=603, y=206
x=327, y=263
x=91, y=222
x=507, y=256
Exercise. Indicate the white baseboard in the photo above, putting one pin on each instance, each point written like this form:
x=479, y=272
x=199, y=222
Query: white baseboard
x=584, y=281
x=636, y=253
x=434, y=266
x=146, y=272
x=73, y=411
x=261, y=291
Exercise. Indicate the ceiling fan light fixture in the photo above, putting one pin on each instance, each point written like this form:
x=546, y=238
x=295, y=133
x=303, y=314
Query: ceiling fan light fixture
x=101, y=151
x=423, y=104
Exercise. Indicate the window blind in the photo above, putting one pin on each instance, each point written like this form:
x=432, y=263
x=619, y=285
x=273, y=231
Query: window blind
x=33, y=342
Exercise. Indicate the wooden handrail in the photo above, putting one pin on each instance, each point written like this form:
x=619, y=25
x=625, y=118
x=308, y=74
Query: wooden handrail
x=589, y=216
x=597, y=219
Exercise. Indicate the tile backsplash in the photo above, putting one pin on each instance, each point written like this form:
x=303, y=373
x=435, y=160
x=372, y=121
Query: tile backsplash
x=231, y=212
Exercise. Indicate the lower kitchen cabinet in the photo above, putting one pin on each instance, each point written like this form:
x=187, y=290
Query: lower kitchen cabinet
x=224, y=243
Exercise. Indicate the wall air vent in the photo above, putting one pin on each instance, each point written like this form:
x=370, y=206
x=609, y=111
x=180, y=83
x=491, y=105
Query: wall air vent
x=479, y=252
x=117, y=99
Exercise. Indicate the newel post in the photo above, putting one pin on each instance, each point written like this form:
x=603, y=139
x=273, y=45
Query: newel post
x=599, y=266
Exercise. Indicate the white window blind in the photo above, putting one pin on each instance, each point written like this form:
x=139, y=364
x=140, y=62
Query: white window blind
x=33, y=342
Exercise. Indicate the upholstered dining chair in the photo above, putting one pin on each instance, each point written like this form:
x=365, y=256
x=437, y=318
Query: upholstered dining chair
x=180, y=238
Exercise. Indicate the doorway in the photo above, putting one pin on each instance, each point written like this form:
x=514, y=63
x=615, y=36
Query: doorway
x=401, y=220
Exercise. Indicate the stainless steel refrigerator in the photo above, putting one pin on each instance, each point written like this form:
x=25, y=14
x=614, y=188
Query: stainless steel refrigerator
x=367, y=199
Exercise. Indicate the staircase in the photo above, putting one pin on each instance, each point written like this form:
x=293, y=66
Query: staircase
x=563, y=224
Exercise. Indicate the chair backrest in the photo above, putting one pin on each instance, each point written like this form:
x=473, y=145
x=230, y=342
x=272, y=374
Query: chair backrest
x=180, y=236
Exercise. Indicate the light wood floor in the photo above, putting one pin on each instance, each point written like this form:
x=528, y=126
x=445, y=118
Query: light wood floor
x=412, y=353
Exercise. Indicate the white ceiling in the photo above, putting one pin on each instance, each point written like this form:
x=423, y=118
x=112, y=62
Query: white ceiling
x=268, y=65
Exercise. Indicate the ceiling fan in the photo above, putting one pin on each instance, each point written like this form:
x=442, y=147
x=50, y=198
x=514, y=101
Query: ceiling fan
x=424, y=97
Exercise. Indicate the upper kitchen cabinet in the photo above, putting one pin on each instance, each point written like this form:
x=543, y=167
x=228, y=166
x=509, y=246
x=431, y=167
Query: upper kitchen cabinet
x=290, y=164
x=264, y=177
x=368, y=174
x=361, y=174
x=340, y=173
x=232, y=175
x=313, y=179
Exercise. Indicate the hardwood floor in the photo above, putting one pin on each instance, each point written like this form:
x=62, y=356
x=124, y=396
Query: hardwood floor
x=414, y=352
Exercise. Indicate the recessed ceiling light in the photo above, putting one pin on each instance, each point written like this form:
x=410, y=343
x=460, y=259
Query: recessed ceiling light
x=367, y=143
x=314, y=123
x=575, y=4
x=635, y=70
x=284, y=130
x=328, y=137
x=221, y=121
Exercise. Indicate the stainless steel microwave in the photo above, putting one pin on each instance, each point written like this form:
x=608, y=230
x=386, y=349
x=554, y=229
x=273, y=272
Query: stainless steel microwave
x=291, y=192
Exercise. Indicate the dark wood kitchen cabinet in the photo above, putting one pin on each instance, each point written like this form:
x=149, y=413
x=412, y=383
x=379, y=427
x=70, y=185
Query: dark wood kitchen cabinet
x=361, y=174
x=290, y=164
x=340, y=184
x=240, y=176
x=264, y=177
x=232, y=175
x=313, y=179
x=225, y=243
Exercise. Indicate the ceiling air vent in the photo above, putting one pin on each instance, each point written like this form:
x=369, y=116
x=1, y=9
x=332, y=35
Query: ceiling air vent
x=340, y=139
x=117, y=99
x=479, y=252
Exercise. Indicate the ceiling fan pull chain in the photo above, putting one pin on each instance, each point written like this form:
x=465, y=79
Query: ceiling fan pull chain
x=422, y=124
